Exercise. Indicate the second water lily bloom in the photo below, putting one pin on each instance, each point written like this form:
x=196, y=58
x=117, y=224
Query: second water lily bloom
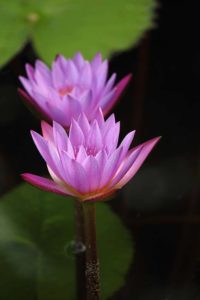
x=87, y=164
x=71, y=87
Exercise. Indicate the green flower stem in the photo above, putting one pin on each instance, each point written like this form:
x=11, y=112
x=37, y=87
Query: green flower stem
x=92, y=260
x=80, y=257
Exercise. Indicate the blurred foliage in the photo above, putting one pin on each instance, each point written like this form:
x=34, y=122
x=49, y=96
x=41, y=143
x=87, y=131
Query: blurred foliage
x=35, y=229
x=67, y=26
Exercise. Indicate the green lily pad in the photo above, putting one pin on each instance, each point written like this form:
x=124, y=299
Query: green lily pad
x=68, y=26
x=35, y=230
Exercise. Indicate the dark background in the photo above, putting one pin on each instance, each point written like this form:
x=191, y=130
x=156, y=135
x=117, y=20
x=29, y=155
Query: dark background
x=161, y=206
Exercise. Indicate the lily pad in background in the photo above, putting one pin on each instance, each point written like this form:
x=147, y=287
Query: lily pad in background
x=68, y=26
x=35, y=229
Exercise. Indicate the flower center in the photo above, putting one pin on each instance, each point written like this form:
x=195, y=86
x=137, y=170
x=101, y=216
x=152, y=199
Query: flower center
x=66, y=90
x=91, y=151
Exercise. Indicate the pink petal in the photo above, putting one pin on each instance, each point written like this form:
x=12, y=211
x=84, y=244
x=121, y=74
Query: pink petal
x=100, y=76
x=46, y=184
x=107, y=97
x=85, y=77
x=87, y=102
x=101, y=159
x=111, y=166
x=79, y=60
x=32, y=104
x=94, y=139
x=84, y=124
x=44, y=150
x=76, y=135
x=109, y=84
x=26, y=84
x=107, y=106
x=111, y=138
x=93, y=173
x=66, y=161
x=43, y=73
x=75, y=174
x=57, y=115
x=62, y=62
x=97, y=60
x=72, y=72
x=56, y=161
x=47, y=131
x=127, y=142
x=30, y=72
x=80, y=178
x=81, y=156
x=71, y=108
x=60, y=137
x=58, y=78
x=145, y=149
x=126, y=165
x=109, y=123
x=99, y=117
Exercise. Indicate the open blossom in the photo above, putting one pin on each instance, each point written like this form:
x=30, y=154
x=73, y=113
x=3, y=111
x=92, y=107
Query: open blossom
x=87, y=163
x=71, y=87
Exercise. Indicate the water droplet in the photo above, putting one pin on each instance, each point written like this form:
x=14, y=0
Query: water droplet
x=73, y=248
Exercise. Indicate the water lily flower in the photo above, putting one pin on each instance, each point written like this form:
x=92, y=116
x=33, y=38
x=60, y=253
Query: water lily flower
x=71, y=87
x=87, y=163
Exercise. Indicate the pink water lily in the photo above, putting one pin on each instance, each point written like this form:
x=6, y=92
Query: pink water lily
x=87, y=164
x=71, y=87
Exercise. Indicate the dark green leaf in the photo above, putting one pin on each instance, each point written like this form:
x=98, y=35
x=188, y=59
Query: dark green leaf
x=35, y=230
x=68, y=26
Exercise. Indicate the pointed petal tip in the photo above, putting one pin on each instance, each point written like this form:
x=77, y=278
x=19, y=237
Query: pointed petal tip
x=23, y=175
x=55, y=124
x=45, y=184
x=128, y=76
x=155, y=140
x=44, y=125
x=35, y=136
x=21, y=78
x=33, y=133
x=123, y=82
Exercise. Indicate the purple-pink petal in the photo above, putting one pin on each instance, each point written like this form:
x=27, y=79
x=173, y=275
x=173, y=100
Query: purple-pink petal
x=46, y=184
x=72, y=107
x=94, y=139
x=30, y=72
x=79, y=60
x=144, y=152
x=92, y=170
x=109, y=84
x=111, y=166
x=44, y=149
x=101, y=75
x=76, y=135
x=97, y=60
x=80, y=178
x=127, y=142
x=106, y=106
x=60, y=137
x=32, y=104
x=47, y=131
x=84, y=124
